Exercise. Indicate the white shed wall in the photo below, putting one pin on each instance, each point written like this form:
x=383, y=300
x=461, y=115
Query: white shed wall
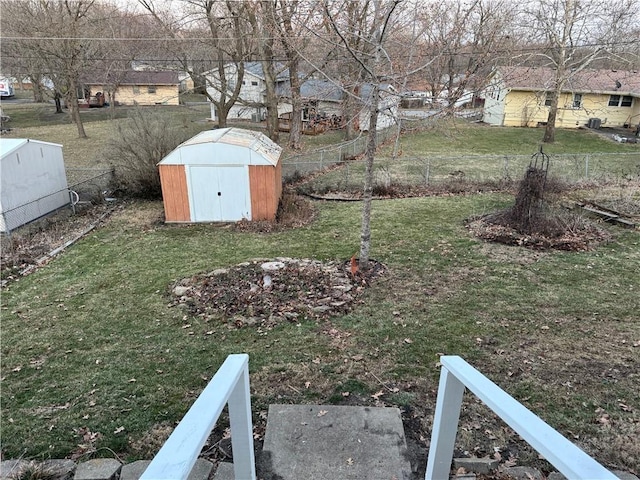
x=33, y=183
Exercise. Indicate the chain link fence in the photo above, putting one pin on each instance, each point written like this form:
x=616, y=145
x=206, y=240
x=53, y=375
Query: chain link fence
x=430, y=170
x=304, y=164
x=86, y=185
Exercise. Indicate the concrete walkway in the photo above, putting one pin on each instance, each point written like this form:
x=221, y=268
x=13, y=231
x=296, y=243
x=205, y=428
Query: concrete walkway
x=326, y=442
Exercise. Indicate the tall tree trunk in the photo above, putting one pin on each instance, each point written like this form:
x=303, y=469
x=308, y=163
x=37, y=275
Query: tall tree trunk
x=38, y=90
x=74, y=108
x=367, y=197
x=296, y=102
x=57, y=98
x=550, y=127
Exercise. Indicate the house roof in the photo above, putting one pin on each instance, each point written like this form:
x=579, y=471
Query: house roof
x=133, y=77
x=317, y=89
x=255, y=69
x=614, y=82
x=314, y=89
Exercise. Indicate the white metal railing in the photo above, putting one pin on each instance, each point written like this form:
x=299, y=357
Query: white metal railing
x=178, y=455
x=457, y=374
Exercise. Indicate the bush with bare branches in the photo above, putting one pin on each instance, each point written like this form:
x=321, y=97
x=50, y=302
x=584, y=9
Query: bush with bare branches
x=141, y=142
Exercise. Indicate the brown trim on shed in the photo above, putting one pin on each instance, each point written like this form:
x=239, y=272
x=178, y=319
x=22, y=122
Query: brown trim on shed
x=175, y=193
x=265, y=184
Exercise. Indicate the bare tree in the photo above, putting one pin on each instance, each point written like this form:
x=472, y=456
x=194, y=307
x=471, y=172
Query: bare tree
x=576, y=34
x=364, y=42
x=462, y=40
x=210, y=41
x=59, y=34
x=287, y=17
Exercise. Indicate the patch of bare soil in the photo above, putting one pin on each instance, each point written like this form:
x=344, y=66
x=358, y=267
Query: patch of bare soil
x=294, y=211
x=267, y=292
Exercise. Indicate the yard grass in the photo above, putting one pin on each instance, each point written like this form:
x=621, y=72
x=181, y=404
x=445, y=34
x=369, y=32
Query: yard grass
x=90, y=343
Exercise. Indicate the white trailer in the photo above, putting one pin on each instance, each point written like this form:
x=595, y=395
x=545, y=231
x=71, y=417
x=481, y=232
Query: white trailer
x=33, y=181
x=6, y=87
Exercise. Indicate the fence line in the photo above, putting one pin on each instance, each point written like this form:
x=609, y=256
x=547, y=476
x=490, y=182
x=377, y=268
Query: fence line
x=434, y=169
x=88, y=188
x=456, y=375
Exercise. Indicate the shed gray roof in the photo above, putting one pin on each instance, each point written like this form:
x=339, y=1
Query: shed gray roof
x=239, y=137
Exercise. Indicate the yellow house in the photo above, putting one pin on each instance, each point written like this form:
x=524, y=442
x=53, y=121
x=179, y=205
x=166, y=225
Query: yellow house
x=521, y=96
x=132, y=87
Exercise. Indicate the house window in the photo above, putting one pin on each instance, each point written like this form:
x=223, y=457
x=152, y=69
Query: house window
x=136, y=89
x=255, y=84
x=620, y=100
x=548, y=99
x=151, y=89
x=577, y=100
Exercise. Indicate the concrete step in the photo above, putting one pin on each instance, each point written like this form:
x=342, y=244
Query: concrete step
x=328, y=442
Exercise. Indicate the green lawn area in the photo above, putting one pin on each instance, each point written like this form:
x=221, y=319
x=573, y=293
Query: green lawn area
x=89, y=342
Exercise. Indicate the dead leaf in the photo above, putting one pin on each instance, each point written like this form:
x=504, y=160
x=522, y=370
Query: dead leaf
x=408, y=340
x=461, y=471
x=625, y=407
x=378, y=394
x=322, y=413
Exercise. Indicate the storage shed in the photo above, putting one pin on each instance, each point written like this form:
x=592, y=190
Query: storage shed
x=33, y=181
x=222, y=175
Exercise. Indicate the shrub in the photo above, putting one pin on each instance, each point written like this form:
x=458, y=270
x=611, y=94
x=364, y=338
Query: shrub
x=141, y=142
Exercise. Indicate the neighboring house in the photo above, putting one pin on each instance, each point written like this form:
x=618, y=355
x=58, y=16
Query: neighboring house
x=250, y=103
x=387, y=107
x=131, y=88
x=521, y=96
x=324, y=99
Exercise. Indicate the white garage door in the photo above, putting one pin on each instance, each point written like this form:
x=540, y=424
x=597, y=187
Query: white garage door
x=219, y=194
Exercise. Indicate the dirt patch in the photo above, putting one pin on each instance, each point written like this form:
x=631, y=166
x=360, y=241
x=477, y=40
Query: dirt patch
x=293, y=211
x=266, y=292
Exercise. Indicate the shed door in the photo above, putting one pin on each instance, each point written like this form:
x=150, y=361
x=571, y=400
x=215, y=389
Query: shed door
x=219, y=194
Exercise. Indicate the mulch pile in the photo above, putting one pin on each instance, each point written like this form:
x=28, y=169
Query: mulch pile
x=267, y=292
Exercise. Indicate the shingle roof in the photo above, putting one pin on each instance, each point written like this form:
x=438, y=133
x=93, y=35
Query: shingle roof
x=620, y=82
x=134, y=77
x=255, y=68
